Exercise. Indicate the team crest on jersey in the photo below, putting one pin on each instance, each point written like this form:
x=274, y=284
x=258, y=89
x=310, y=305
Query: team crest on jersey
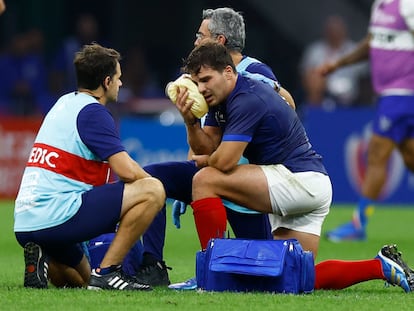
x=356, y=147
x=220, y=117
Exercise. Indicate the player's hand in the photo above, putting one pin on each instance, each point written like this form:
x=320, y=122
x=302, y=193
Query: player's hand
x=178, y=208
x=200, y=160
x=184, y=106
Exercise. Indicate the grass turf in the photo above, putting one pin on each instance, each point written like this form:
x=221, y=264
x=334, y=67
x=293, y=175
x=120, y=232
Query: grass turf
x=388, y=225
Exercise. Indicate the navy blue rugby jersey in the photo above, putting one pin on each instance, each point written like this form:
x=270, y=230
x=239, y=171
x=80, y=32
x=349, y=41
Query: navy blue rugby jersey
x=256, y=114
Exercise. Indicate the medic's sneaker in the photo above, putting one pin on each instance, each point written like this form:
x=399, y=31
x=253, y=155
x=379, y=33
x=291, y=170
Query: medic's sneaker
x=116, y=279
x=36, y=266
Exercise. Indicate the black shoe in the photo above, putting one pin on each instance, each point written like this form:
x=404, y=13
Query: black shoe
x=36, y=266
x=116, y=279
x=155, y=274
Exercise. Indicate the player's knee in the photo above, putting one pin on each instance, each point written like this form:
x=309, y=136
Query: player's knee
x=204, y=178
x=154, y=192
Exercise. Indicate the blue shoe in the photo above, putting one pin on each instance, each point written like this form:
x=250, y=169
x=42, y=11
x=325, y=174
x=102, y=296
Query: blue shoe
x=190, y=284
x=395, y=270
x=346, y=232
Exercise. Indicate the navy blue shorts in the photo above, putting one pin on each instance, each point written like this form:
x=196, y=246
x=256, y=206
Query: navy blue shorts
x=99, y=213
x=395, y=118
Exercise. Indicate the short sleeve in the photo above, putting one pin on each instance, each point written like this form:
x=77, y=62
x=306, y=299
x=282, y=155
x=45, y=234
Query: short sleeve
x=96, y=128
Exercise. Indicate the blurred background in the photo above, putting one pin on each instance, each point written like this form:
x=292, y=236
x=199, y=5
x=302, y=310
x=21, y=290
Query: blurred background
x=154, y=36
x=38, y=39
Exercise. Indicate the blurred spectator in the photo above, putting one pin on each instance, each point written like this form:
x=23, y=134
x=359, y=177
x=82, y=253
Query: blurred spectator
x=138, y=82
x=342, y=87
x=2, y=7
x=63, y=77
x=23, y=82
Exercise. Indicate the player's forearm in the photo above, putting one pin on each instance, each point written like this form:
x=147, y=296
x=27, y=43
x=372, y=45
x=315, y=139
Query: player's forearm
x=126, y=168
x=198, y=140
x=136, y=172
x=213, y=161
x=220, y=163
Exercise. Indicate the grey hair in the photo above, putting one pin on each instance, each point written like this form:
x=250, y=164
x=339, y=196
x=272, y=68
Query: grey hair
x=229, y=23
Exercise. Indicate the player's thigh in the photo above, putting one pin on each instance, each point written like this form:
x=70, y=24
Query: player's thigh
x=246, y=185
x=379, y=149
x=296, y=193
x=98, y=213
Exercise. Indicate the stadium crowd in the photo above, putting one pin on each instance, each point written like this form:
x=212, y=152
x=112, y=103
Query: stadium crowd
x=42, y=72
x=35, y=79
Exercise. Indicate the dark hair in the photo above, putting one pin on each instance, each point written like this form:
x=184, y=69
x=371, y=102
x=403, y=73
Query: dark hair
x=93, y=64
x=209, y=54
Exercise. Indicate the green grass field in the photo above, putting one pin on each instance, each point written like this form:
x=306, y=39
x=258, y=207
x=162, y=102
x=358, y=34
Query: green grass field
x=388, y=225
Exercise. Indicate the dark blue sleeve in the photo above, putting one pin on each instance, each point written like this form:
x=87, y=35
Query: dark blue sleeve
x=244, y=115
x=263, y=69
x=96, y=128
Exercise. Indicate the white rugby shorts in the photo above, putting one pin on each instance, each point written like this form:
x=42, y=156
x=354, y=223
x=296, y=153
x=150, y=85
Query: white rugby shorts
x=300, y=201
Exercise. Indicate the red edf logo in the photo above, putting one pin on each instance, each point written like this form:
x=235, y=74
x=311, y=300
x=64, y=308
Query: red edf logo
x=356, y=147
